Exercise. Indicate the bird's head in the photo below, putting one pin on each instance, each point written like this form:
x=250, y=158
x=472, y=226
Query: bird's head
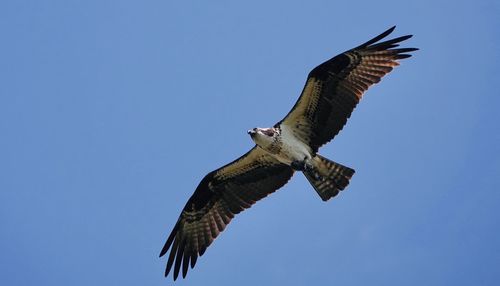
x=263, y=136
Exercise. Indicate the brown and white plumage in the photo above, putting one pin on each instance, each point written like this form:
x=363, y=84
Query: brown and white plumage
x=220, y=195
x=334, y=88
x=331, y=93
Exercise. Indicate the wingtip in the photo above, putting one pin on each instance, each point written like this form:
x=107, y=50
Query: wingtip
x=176, y=274
x=167, y=271
x=163, y=251
x=389, y=31
x=377, y=38
x=404, y=38
x=170, y=240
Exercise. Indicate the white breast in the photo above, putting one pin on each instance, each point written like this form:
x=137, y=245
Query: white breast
x=292, y=149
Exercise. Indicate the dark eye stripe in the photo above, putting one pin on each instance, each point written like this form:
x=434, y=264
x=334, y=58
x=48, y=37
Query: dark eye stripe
x=268, y=132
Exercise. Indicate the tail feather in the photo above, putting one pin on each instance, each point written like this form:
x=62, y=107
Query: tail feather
x=327, y=177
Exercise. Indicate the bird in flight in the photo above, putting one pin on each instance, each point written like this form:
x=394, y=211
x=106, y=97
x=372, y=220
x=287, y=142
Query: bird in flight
x=331, y=92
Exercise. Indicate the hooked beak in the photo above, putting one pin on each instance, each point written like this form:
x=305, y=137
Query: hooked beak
x=252, y=132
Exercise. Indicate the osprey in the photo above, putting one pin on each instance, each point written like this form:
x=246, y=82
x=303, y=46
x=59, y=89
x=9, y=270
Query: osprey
x=332, y=91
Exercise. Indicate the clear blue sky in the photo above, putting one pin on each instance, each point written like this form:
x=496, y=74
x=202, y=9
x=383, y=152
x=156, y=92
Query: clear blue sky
x=112, y=111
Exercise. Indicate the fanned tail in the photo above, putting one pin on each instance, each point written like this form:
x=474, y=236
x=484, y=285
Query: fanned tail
x=327, y=177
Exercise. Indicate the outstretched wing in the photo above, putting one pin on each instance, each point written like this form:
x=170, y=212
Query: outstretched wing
x=219, y=196
x=334, y=88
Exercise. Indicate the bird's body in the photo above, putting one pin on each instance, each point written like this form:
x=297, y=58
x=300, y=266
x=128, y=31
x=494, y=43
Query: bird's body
x=282, y=145
x=332, y=91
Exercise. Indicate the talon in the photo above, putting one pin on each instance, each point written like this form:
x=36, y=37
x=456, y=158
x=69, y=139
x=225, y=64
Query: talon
x=307, y=167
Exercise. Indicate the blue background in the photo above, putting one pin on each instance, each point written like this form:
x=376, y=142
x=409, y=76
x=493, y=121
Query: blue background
x=112, y=111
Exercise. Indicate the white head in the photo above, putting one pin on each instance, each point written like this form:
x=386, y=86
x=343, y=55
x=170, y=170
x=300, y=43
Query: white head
x=263, y=136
